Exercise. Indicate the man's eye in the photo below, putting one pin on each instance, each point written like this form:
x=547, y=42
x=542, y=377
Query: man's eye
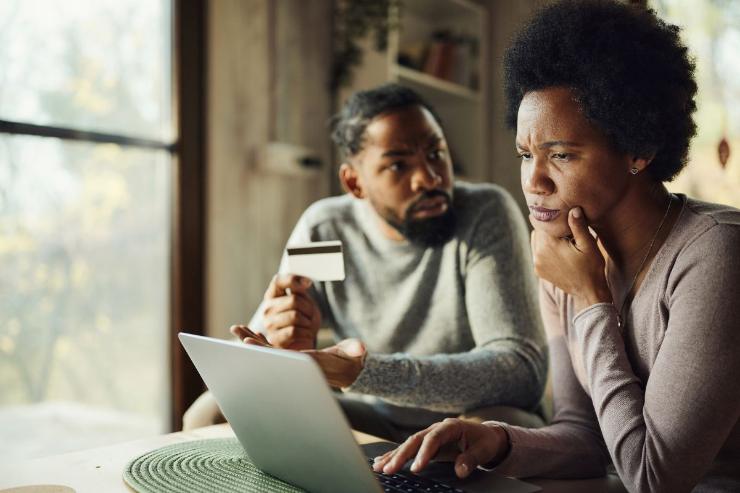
x=397, y=167
x=436, y=155
x=524, y=155
x=561, y=156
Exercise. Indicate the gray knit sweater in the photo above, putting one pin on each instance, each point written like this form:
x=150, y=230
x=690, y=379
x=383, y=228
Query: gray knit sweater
x=662, y=400
x=448, y=329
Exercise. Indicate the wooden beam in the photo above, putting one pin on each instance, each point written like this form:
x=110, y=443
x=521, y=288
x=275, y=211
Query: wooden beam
x=188, y=199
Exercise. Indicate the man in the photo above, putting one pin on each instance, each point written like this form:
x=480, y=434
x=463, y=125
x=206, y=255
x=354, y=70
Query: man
x=437, y=315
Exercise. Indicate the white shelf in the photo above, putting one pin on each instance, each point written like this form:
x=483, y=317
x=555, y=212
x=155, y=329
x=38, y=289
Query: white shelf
x=443, y=9
x=435, y=83
x=462, y=108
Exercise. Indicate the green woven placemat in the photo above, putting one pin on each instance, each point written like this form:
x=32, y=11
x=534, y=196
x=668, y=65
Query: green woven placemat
x=204, y=466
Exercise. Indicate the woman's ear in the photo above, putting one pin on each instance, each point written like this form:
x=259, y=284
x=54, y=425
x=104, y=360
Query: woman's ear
x=638, y=164
x=350, y=180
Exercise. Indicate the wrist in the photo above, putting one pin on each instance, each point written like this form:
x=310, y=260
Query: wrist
x=358, y=367
x=351, y=371
x=502, y=445
x=592, y=297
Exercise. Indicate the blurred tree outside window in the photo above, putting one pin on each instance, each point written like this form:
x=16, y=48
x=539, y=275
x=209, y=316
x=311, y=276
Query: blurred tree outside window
x=84, y=225
x=711, y=30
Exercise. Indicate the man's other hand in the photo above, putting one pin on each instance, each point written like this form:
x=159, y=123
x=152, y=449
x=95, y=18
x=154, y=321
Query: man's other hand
x=341, y=363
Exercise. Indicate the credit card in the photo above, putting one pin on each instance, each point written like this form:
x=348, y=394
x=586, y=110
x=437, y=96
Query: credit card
x=319, y=261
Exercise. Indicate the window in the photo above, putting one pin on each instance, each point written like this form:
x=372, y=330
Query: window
x=87, y=150
x=711, y=30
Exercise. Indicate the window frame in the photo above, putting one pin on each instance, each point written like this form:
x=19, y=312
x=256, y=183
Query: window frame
x=187, y=219
x=188, y=287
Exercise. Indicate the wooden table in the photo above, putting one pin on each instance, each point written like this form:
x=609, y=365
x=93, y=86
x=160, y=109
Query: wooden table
x=101, y=469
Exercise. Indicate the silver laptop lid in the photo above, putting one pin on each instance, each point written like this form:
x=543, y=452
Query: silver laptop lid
x=283, y=413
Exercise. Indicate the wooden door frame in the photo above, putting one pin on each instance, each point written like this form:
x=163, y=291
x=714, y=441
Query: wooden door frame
x=187, y=289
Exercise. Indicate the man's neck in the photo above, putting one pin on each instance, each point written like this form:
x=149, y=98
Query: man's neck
x=385, y=229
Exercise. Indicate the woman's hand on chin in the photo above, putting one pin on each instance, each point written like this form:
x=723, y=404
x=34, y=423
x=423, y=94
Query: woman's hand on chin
x=575, y=264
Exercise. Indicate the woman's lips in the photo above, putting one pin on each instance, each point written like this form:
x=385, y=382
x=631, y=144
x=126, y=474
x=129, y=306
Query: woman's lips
x=544, y=214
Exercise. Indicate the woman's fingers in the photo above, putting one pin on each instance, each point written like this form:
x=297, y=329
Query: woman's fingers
x=449, y=430
x=464, y=466
x=380, y=461
x=423, y=445
x=467, y=445
x=582, y=238
x=467, y=461
x=405, y=452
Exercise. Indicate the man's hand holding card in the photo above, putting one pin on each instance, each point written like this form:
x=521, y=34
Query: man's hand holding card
x=292, y=317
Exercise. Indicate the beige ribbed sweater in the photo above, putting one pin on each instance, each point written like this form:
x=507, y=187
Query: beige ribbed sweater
x=661, y=402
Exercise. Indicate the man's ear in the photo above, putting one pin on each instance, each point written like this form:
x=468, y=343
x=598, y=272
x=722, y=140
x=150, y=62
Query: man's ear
x=350, y=180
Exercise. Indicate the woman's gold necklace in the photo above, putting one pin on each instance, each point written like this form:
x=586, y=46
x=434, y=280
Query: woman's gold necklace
x=620, y=318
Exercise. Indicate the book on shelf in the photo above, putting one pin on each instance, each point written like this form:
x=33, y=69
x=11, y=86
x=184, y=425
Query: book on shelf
x=447, y=57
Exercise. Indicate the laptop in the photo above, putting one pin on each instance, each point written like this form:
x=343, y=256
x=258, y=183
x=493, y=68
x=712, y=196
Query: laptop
x=285, y=416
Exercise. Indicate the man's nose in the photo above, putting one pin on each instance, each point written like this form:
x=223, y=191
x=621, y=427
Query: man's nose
x=426, y=177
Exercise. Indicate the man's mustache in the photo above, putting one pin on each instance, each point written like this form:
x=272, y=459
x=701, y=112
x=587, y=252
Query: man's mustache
x=426, y=196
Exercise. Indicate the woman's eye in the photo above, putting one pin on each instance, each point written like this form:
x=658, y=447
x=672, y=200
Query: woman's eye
x=396, y=167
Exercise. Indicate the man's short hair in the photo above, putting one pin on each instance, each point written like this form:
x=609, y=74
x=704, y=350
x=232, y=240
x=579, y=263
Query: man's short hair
x=628, y=70
x=348, y=126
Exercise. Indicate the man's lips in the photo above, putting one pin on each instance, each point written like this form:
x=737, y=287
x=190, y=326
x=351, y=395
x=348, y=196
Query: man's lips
x=543, y=214
x=430, y=207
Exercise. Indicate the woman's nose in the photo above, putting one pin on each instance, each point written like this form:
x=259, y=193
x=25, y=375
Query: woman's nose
x=535, y=178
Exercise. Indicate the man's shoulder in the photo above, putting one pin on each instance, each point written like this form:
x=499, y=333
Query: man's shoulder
x=483, y=201
x=481, y=194
x=329, y=211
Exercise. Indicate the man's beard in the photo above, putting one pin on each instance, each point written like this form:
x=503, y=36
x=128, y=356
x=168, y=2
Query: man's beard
x=428, y=232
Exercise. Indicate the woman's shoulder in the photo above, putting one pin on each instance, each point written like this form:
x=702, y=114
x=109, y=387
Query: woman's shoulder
x=707, y=224
x=712, y=213
x=707, y=234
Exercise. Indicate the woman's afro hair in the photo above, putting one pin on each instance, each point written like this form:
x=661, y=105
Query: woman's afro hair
x=628, y=70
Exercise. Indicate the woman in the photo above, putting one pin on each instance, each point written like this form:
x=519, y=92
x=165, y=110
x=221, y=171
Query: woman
x=639, y=288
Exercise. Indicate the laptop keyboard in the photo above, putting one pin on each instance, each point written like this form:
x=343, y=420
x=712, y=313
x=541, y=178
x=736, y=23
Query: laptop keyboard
x=411, y=484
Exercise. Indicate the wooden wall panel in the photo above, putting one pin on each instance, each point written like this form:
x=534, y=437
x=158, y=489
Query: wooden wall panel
x=507, y=16
x=268, y=81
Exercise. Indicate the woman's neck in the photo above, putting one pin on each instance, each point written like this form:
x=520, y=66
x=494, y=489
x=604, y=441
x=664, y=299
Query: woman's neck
x=637, y=222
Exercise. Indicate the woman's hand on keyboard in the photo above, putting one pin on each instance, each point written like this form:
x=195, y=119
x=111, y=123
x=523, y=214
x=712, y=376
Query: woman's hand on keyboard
x=468, y=444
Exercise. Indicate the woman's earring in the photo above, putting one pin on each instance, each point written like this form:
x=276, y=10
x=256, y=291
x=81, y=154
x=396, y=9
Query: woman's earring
x=634, y=171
